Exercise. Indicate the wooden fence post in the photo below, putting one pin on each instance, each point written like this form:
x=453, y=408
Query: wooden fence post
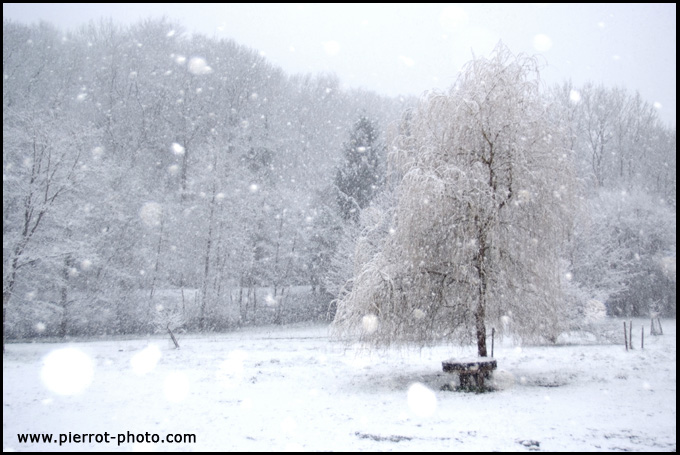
x=630, y=335
x=625, y=335
x=173, y=337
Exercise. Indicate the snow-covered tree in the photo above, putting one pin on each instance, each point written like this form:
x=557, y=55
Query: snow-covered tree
x=641, y=230
x=358, y=244
x=41, y=161
x=195, y=163
x=359, y=177
x=627, y=161
x=358, y=181
x=484, y=204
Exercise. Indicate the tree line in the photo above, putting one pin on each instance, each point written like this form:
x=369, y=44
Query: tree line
x=142, y=161
x=139, y=160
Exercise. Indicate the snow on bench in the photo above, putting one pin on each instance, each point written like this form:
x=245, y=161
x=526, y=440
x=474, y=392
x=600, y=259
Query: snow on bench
x=468, y=369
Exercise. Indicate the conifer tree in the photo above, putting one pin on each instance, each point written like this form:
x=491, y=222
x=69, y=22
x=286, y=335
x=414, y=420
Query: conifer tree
x=359, y=177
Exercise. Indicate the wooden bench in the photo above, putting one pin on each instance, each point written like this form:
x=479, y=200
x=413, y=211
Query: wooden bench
x=471, y=372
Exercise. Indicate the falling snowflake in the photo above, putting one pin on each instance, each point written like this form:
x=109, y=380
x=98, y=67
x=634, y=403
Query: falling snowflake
x=331, y=47
x=542, y=43
x=199, y=66
x=177, y=149
x=574, y=96
x=421, y=400
x=67, y=371
x=151, y=214
x=370, y=323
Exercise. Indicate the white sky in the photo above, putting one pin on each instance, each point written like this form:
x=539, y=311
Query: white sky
x=410, y=48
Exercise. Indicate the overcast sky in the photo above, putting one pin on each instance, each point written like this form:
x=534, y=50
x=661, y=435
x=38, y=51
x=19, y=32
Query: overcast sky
x=409, y=48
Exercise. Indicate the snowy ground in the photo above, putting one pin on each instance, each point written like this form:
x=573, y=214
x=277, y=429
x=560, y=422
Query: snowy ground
x=290, y=388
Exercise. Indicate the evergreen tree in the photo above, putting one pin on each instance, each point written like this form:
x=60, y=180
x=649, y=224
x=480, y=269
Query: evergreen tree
x=359, y=178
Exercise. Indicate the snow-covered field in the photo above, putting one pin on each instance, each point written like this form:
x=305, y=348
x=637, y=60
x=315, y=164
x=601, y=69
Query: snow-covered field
x=291, y=388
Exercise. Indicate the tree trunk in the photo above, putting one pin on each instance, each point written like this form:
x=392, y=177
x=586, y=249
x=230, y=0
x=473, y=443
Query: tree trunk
x=157, y=265
x=5, y=301
x=480, y=311
x=7, y=289
x=206, y=270
x=480, y=314
x=63, y=326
